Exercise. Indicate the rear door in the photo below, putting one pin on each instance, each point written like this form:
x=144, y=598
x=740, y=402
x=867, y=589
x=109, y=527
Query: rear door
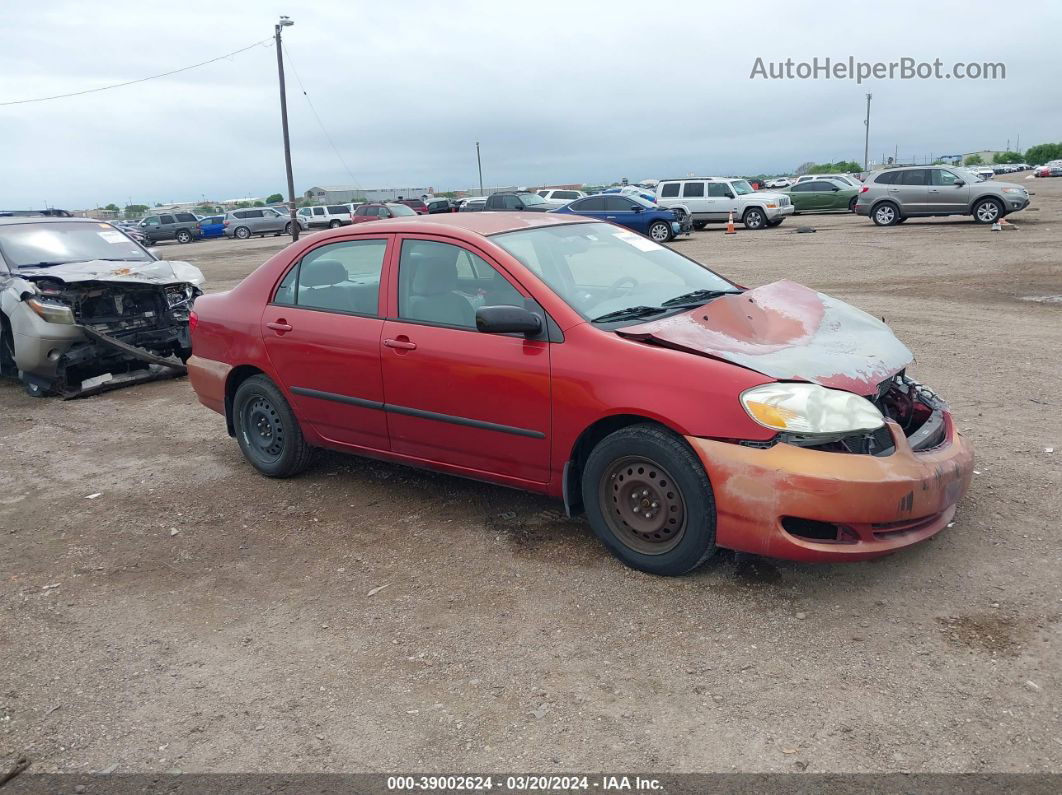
x=946, y=194
x=322, y=334
x=455, y=395
x=695, y=197
x=913, y=191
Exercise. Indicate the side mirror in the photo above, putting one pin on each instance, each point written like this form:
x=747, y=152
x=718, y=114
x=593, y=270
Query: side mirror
x=730, y=194
x=835, y=189
x=507, y=320
x=638, y=208
x=959, y=184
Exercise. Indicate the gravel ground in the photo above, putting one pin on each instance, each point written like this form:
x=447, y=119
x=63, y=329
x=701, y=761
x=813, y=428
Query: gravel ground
x=365, y=617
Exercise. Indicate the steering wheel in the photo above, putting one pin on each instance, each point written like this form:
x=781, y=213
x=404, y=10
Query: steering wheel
x=620, y=286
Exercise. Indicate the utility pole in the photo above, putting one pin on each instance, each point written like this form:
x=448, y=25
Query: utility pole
x=479, y=163
x=283, y=23
x=866, y=141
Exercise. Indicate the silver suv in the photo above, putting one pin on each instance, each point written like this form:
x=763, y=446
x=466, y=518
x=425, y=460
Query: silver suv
x=896, y=194
x=258, y=221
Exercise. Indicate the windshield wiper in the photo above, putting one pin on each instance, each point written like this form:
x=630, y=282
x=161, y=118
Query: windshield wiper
x=697, y=297
x=46, y=264
x=628, y=313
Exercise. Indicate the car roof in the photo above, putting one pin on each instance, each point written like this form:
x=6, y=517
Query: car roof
x=483, y=223
x=8, y=220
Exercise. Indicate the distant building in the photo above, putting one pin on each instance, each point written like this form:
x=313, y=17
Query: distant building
x=343, y=194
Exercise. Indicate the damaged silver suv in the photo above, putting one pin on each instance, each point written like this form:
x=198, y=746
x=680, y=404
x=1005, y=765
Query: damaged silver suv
x=85, y=308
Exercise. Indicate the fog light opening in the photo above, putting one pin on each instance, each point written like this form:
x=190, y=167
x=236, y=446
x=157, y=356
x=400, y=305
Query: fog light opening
x=820, y=532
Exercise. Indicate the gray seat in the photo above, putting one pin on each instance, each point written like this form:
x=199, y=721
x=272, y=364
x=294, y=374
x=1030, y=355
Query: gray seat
x=432, y=296
x=320, y=285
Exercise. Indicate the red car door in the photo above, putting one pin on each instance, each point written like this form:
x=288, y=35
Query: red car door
x=322, y=334
x=455, y=395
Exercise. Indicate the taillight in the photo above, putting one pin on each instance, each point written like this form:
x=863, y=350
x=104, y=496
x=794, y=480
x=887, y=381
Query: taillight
x=864, y=189
x=193, y=320
x=225, y=222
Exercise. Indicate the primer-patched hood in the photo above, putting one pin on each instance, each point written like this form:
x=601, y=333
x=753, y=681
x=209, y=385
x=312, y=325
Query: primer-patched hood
x=787, y=331
x=160, y=272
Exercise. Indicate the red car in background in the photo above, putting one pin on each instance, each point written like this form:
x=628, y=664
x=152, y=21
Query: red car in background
x=553, y=353
x=417, y=205
x=376, y=211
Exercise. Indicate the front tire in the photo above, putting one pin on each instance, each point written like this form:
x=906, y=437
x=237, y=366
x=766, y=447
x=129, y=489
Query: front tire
x=988, y=211
x=287, y=228
x=184, y=236
x=242, y=232
x=699, y=225
x=267, y=431
x=660, y=232
x=649, y=501
x=754, y=219
x=885, y=214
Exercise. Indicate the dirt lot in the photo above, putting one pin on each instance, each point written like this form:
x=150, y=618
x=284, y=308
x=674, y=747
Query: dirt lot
x=196, y=616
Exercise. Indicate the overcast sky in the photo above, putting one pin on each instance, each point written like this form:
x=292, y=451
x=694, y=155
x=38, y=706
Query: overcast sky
x=554, y=91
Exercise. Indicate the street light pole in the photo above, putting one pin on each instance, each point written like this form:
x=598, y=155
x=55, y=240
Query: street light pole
x=479, y=163
x=283, y=23
x=866, y=141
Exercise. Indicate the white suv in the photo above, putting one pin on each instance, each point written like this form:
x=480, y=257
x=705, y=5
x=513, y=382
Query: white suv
x=329, y=216
x=712, y=199
x=559, y=198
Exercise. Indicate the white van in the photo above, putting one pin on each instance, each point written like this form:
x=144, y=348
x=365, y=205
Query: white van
x=711, y=200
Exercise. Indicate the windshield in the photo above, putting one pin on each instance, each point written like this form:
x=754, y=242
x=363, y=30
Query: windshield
x=741, y=187
x=43, y=244
x=599, y=269
x=531, y=198
x=401, y=209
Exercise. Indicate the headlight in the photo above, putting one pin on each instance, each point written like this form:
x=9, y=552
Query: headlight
x=51, y=312
x=1014, y=190
x=771, y=206
x=810, y=408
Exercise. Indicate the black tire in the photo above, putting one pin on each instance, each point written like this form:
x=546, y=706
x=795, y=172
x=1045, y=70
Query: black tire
x=754, y=219
x=660, y=231
x=699, y=225
x=332, y=224
x=852, y=204
x=184, y=236
x=901, y=219
x=667, y=481
x=988, y=211
x=287, y=228
x=885, y=214
x=242, y=232
x=7, y=349
x=775, y=222
x=267, y=431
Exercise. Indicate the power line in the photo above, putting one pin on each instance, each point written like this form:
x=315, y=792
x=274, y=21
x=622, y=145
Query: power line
x=318, y=117
x=140, y=80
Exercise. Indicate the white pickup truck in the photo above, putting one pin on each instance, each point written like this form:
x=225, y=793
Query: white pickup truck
x=712, y=199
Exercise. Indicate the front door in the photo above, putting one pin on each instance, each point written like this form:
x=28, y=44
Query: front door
x=620, y=210
x=455, y=395
x=948, y=192
x=322, y=334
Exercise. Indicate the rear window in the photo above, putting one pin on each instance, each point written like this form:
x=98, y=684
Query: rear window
x=693, y=189
x=887, y=178
x=185, y=217
x=400, y=210
x=670, y=190
x=338, y=209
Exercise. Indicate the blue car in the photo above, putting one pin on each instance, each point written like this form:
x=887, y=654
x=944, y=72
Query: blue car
x=212, y=225
x=633, y=212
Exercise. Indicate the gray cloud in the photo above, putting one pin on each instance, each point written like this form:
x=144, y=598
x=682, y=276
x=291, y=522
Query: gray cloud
x=554, y=91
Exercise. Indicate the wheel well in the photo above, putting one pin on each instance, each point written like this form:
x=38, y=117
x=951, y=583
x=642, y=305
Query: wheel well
x=885, y=200
x=236, y=377
x=587, y=441
x=6, y=333
x=753, y=207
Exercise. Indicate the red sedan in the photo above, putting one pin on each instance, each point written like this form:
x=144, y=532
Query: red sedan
x=678, y=410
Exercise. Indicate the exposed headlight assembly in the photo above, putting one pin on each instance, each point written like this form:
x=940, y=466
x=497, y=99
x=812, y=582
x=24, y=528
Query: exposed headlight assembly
x=51, y=311
x=810, y=409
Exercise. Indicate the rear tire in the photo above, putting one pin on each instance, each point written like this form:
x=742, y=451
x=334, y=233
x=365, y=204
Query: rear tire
x=754, y=219
x=852, y=204
x=699, y=225
x=242, y=232
x=649, y=501
x=333, y=224
x=267, y=430
x=885, y=214
x=988, y=211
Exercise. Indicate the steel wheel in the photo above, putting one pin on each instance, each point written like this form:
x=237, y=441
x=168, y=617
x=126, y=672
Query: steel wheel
x=987, y=212
x=263, y=430
x=643, y=505
x=660, y=232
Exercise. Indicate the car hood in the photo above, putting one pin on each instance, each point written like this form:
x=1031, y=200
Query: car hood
x=789, y=332
x=774, y=193
x=157, y=272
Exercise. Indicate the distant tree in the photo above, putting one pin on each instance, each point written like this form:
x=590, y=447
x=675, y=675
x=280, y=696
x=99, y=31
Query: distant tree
x=158, y=204
x=241, y=204
x=973, y=160
x=1043, y=153
x=205, y=209
x=112, y=207
x=274, y=198
x=804, y=168
x=135, y=210
x=1008, y=157
x=259, y=204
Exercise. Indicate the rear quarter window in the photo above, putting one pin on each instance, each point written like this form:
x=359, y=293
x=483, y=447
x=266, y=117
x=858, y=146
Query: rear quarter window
x=670, y=190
